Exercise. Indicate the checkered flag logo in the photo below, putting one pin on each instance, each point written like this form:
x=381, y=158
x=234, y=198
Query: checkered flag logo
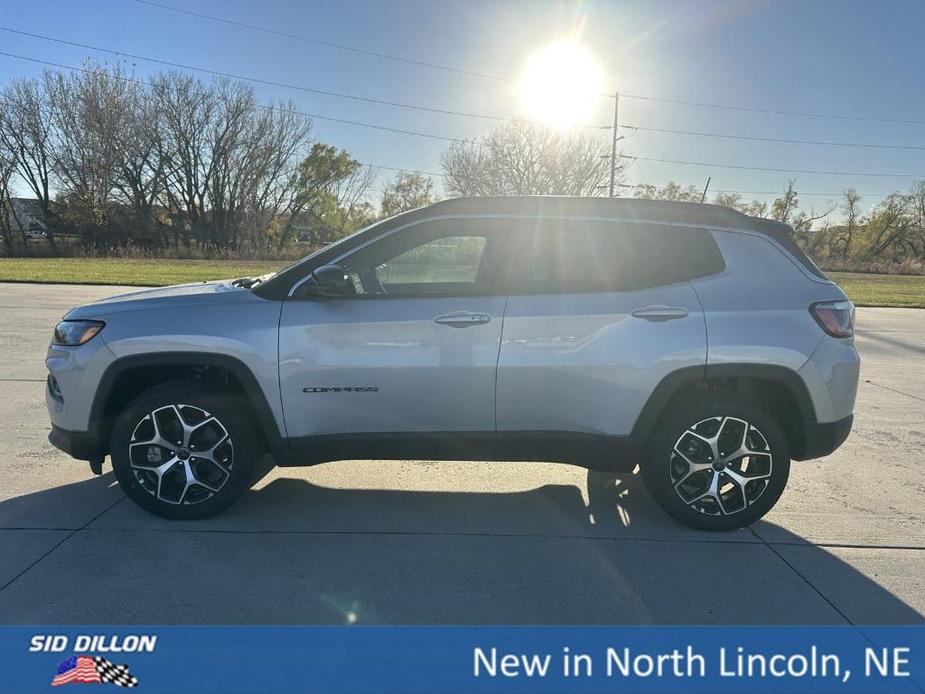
x=85, y=669
x=115, y=674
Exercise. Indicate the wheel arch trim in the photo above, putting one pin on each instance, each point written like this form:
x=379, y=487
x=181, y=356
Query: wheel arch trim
x=266, y=421
x=674, y=382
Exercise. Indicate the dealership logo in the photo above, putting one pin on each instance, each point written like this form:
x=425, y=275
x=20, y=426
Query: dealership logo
x=88, y=669
x=87, y=666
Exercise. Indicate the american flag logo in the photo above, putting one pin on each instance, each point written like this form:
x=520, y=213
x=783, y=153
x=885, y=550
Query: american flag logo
x=88, y=669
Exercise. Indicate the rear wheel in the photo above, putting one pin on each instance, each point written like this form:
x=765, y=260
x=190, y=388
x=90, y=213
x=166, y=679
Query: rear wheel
x=182, y=451
x=717, y=463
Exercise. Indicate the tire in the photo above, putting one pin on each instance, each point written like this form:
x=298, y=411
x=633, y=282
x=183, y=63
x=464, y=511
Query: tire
x=701, y=484
x=213, y=465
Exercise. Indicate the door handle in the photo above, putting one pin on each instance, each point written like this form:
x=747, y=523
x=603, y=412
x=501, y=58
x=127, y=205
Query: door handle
x=660, y=313
x=462, y=319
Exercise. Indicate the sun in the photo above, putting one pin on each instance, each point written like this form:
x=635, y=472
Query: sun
x=561, y=85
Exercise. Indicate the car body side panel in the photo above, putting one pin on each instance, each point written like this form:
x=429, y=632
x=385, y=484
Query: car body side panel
x=409, y=373
x=583, y=363
x=234, y=323
x=831, y=376
x=758, y=312
x=757, y=309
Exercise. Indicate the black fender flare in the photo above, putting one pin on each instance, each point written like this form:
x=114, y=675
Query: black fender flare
x=701, y=375
x=256, y=397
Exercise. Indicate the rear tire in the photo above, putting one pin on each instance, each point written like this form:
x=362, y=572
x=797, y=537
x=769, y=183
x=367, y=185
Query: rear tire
x=183, y=451
x=717, y=463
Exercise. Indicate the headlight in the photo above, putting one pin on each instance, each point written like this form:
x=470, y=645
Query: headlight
x=76, y=332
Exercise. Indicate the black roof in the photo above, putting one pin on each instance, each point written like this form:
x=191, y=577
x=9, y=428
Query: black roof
x=564, y=206
x=666, y=211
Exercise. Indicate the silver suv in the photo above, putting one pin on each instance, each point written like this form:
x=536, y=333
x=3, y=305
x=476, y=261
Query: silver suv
x=692, y=340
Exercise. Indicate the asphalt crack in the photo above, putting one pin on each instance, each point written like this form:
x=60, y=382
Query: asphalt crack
x=57, y=544
x=893, y=390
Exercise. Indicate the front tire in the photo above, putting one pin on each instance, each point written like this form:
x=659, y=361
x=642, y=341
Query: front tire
x=717, y=463
x=183, y=451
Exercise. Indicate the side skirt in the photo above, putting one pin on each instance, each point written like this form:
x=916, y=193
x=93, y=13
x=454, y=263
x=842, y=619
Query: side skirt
x=592, y=451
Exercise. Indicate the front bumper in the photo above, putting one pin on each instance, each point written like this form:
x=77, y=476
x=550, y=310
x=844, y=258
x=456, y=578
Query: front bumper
x=822, y=438
x=77, y=444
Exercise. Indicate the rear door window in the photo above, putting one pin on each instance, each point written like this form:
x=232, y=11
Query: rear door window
x=576, y=256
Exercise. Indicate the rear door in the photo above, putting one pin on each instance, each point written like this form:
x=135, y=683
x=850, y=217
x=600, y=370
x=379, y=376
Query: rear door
x=414, y=349
x=604, y=313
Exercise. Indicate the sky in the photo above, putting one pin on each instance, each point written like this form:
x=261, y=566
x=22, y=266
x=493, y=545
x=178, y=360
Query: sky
x=862, y=61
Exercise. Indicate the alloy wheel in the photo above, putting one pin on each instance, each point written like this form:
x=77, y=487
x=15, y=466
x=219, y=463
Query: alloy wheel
x=720, y=466
x=181, y=454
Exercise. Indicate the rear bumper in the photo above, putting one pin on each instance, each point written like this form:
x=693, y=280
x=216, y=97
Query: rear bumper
x=822, y=438
x=77, y=444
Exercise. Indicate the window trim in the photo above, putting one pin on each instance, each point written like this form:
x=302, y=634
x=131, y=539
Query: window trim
x=496, y=252
x=589, y=218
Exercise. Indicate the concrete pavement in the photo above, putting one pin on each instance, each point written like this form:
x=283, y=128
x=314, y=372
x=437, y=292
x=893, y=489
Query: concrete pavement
x=445, y=543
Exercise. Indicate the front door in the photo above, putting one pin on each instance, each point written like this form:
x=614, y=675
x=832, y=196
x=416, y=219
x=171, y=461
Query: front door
x=415, y=346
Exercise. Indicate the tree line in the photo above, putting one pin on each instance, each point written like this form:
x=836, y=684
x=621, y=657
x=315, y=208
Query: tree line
x=891, y=237
x=180, y=165
x=173, y=162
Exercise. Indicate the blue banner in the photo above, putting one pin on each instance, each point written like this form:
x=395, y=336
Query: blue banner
x=251, y=660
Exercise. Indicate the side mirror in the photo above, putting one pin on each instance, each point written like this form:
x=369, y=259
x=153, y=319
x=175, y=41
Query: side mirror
x=328, y=281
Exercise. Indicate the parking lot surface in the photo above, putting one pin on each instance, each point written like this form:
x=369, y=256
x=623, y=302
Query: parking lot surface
x=418, y=542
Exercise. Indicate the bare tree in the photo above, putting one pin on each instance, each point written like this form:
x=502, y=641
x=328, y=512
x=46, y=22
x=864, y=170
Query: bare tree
x=852, y=210
x=524, y=158
x=918, y=204
x=185, y=107
x=25, y=130
x=229, y=163
x=7, y=167
x=90, y=112
x=140, y=178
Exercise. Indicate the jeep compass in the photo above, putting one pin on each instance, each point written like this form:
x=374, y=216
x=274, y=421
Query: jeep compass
x=692, y=341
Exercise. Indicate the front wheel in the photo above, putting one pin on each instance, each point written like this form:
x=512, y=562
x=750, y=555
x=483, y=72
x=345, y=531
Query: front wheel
x=717, y=463
x=183, y=451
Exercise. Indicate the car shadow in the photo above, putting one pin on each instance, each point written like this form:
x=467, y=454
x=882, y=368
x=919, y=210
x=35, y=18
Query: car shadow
x=293, y=551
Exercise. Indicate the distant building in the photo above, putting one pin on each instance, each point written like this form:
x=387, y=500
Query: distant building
x=28, y=218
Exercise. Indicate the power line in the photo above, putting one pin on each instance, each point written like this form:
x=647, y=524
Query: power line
x=761, y=192
x=267, y=107
x=329, y=44
x=405, y=170
x=428, y=109
x=255, y=80
x=757, y=138
x=263, y=106
x=509, y=79
x=451, y=139
x=779, y=112
x=760, y=168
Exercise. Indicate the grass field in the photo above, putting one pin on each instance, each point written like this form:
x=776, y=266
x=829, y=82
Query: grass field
x=133, y=271
x=864, y=289
x=904, y=291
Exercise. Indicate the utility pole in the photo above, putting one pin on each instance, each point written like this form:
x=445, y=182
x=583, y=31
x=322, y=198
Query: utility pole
x=705, y=189
x=613, y=142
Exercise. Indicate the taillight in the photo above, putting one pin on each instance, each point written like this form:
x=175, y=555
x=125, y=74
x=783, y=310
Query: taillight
x=835, y=317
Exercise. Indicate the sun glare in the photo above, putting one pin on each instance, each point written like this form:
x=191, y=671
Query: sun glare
x=561, y=85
